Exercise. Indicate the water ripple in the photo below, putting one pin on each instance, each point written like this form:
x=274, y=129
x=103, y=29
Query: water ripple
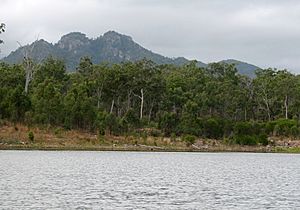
x=128, y=180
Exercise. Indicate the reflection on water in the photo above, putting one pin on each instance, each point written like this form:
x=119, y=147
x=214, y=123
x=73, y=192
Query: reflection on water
x=136, y=180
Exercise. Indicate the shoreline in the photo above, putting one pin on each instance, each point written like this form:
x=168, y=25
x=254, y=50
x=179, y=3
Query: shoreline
x=16, y=137
x=138, y=148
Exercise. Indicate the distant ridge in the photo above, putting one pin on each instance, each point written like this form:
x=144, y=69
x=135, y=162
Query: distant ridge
x=111, y=47
x=243, y=68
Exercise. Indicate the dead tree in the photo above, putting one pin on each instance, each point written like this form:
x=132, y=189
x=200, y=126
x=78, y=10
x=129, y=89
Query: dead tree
x=28, y=64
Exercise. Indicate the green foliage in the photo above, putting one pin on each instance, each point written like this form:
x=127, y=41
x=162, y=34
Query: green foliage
x=131, y=119
x=243, y=128
x=31, y=136
x=168, y=123
x=173, y=137
x=283, y=127
x=249, y=133
x=213, y=128
x=129, y=98
x=189, y=139
x=155, y=133
x=263, y=139
x=294, y=131
x=246, y=140
x=85, y=66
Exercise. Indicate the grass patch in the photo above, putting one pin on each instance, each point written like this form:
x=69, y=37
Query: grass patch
x=287, y=149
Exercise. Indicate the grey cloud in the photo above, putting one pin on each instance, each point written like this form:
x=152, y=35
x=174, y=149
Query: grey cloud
x=263, y=32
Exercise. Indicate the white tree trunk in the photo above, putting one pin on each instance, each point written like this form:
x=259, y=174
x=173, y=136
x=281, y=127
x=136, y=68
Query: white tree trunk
x=142, y=103
x=27, y=81
x=286, y=106
x=141, y=97
x=268, y=110
x=28, y=65
x=112, y=106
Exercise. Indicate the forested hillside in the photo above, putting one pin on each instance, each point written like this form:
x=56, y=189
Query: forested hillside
x=166, y=100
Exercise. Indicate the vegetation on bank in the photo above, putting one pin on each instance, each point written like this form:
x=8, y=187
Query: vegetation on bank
x=17, y=136
x=186, y=102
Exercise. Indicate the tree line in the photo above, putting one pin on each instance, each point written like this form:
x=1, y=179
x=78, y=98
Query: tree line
x=167, y=100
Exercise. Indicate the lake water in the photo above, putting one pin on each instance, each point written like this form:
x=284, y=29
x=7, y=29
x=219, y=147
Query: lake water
x=138, y=180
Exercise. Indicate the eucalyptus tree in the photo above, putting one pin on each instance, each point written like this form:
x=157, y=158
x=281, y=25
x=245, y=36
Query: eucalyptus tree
x=285, y=89
x=145, y=73
x=264, y=85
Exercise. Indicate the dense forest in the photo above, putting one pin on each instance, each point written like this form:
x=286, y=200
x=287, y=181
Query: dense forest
x=162, y=100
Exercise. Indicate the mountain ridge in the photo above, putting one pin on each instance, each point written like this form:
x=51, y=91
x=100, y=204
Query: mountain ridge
x=111, y=47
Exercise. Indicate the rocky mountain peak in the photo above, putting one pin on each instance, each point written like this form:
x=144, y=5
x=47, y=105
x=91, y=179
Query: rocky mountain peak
x=111, y=47
x=72, y=41
x=114, y=38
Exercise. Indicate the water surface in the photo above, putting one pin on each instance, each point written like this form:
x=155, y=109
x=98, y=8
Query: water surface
x=138, y=180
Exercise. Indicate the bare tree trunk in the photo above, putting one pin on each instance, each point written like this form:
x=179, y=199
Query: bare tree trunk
x=141, y=97
x=286, y=106
x=268, y=109
x=265, y=99
x=112, y=106
x=27, y=81
x=28, y=66
x=142, y=103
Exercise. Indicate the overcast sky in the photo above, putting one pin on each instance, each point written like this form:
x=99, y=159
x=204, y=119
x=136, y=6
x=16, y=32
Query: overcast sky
x=262, y=32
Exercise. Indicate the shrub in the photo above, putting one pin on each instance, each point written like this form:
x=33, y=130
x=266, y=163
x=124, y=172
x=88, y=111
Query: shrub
x=283, y=126
x=228, y=128
x=294, y=131
x=263, y=139
x=57, y=131
x=243, y=128
x=131, y=119
x=155, y=133
x=269, y=127
x=251, y=140
x=189, y=139
x=213, y=128
x=168, y=122
x=246, y=140
x=190, y=125
x=101, y=131
x=31, y=136
x=228, y=141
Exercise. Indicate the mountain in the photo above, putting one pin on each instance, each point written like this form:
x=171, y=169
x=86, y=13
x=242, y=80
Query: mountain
x=111, y=47
x=243, y=67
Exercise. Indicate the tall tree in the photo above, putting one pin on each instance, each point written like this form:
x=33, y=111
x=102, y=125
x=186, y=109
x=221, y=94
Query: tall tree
x=285, y=89
x=264, y=88
x=28, y=64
